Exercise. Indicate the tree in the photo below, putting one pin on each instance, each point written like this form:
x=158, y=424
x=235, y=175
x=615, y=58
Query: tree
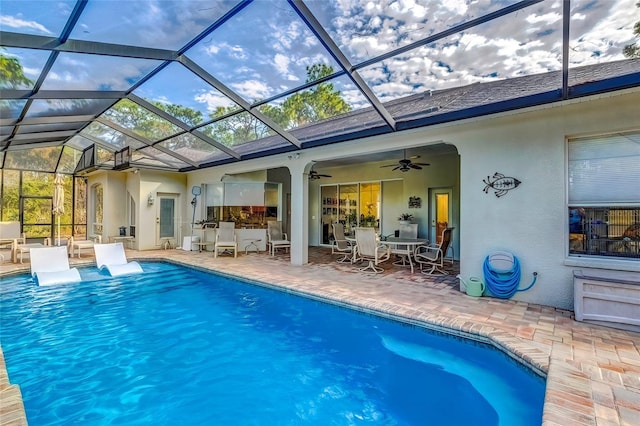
x=12, y=74
x=307, y=106
x=633, y=50
x=185, y=114
x=236, y=129
x=316, y=103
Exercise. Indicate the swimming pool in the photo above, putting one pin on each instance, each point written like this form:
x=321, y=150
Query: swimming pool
x=180, y=346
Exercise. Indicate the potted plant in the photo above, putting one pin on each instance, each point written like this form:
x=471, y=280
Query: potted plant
x=405, y=218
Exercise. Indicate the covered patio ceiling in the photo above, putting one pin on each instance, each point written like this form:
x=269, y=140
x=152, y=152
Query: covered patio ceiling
x=189, y=84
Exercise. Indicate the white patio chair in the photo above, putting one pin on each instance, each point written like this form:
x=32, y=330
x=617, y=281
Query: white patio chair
x=50, y=265
x=340, y=245
x=226, y=239
x=111, y=257
x=370, y=250
x=432, y=255
x=276, y=239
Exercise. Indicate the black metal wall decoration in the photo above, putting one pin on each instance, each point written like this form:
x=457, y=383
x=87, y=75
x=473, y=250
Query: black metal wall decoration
x=500, y=183
x=415, y=202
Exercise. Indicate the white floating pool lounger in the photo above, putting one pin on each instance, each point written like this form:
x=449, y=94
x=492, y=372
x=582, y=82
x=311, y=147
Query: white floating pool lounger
x=112, y=257
x=50, y=265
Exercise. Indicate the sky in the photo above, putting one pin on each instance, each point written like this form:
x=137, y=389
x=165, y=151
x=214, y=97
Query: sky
x=264, y=50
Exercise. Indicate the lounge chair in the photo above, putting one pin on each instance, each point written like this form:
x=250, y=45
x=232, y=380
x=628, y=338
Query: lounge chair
x=370, y=250
x=76, y=246
x=432, y=256
x=276, y=239
x=226, y=239
x=50, y=265
x=340, y=245
x=112, y=258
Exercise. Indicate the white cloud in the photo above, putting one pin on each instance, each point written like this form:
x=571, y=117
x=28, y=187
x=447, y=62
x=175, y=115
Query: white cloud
x=252, y=89
x=237, y=52
x=281, y=63
x=213, y=100
x=547, y=18
x=212, y=49
x=17, y=23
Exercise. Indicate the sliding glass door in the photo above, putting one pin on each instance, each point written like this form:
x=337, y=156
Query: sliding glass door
x=353, y=204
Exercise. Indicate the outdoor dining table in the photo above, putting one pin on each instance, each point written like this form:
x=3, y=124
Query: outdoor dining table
x=399, y=246
x=405, y=246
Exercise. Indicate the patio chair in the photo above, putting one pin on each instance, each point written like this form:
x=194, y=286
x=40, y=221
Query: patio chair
x=76, y=246
x=276, y=239
x=407, y=230
x=226, y=239
x=112, y=258
x=432, y=256
x=370, y=250
x=340, y=245
x=50, y=265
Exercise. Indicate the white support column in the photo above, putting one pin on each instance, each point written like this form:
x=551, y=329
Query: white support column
x=299, y=213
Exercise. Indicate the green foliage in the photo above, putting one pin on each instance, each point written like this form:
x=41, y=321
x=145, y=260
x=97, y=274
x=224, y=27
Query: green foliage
x=36, y=191
x=633, y=50
x=187, y=115
x=236, y=129
x=308, y=106
x=12, y=74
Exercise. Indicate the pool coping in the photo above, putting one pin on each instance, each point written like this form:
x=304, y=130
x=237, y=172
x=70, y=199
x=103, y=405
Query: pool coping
x=592, y=372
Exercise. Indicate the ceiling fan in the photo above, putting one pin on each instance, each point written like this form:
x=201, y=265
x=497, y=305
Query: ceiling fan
x=406, y=164
x=313, y=175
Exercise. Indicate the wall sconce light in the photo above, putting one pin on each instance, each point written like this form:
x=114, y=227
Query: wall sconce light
x=150, y=199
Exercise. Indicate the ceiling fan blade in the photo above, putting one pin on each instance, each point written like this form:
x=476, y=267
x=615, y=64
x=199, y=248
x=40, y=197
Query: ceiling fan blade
x=415, y=166
x=391, y=165
x=323, y=175
x=396, y=168
x=422, y=164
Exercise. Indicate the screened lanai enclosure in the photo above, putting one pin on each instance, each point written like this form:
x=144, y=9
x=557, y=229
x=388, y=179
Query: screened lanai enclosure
x=183, y=85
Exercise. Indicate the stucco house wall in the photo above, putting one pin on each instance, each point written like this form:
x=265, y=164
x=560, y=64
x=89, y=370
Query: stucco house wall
x=531, y=220
x=158, y=184
x=113, y=186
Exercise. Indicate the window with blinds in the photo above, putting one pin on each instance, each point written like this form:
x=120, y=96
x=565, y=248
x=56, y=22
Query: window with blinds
x=604, y=195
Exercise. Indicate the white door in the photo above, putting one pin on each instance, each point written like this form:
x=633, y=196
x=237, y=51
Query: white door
x=167, y=222
x=440, y=213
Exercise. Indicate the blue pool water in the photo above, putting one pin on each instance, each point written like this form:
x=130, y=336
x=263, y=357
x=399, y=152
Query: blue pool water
x=179, y=346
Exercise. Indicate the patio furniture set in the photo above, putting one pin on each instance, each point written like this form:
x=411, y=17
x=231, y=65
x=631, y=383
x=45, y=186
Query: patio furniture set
x=368, y=247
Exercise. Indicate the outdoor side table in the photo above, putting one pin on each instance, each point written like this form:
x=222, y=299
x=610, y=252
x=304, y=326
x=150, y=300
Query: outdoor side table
x=253, y=242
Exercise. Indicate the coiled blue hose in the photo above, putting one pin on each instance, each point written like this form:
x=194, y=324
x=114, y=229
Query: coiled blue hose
x=504, y=283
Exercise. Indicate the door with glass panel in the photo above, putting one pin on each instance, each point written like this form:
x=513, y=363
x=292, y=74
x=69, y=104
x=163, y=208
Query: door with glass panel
x=440, y=213
x=369, y=206
x=167, y=223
